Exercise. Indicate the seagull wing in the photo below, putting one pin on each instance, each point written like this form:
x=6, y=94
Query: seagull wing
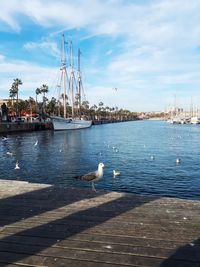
x=91, y=176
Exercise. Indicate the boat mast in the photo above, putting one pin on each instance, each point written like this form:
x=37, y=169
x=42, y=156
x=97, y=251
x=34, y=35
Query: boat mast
x=63, y=73
x=72, y=77
x=79, y=80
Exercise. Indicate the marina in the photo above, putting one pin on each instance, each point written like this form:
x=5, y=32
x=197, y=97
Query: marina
x=44, y=225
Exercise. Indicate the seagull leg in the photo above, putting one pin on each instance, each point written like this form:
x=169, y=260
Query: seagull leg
x=93, y=188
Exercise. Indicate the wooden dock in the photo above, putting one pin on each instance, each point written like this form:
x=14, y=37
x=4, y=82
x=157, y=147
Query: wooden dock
x=43, y=225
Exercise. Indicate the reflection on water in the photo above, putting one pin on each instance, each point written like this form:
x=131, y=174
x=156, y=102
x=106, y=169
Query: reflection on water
x=145, y=152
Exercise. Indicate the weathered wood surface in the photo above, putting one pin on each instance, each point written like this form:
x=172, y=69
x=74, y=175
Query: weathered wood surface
x=43, y=225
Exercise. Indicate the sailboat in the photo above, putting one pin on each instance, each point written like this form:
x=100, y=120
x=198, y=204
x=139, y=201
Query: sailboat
x=74, y=121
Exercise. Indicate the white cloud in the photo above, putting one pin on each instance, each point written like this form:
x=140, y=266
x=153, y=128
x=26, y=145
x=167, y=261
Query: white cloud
x=46, y=46
x=32, y=76
x=159, y=50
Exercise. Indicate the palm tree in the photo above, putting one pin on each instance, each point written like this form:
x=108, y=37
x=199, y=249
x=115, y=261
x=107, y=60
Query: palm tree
x=15, y=86
x=37, y=92
x=12, y=94
x=101, y=105
x=51, y=106
x=44, y=89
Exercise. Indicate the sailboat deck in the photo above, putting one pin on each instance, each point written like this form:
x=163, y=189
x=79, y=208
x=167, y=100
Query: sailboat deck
x=43, y=225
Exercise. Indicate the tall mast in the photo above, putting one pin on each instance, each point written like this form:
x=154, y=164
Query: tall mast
x=79, y=79
x=191, y=108
x=175, y=108
x=72, y=77
x=63, y=73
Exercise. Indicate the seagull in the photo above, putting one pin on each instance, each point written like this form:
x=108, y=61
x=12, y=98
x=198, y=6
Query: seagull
x=36, y=143
x=152, y=157
x=93, y=176
x=17, y=166
x=116, y=173
x=9, y=153
x=178, y=161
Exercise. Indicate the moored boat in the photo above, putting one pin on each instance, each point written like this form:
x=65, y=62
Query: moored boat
x=75, y=121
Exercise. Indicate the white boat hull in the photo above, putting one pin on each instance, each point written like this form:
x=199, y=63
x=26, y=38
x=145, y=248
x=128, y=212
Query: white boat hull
x=60, y=123
x=195, y=120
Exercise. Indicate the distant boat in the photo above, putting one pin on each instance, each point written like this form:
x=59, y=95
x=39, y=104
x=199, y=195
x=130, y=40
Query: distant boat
x=60, y=123
x=195, y=120
x=75, y=121
x=175, y=120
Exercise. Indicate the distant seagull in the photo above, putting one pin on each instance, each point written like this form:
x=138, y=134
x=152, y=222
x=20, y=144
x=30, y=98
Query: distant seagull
x=17, y=166
x=152, y=157
x=60, y=150
x=9, y=153
x=116, y=173
x=115, y=149
x=93, y=176
x=36, y=143
x=178, y=161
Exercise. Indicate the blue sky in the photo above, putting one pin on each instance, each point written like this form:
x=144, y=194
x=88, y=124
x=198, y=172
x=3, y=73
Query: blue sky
x=149, y=49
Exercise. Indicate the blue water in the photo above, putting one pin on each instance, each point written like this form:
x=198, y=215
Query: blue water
x=128, y=147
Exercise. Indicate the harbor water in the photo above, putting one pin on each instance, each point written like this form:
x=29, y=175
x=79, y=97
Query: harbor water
x=145, y=153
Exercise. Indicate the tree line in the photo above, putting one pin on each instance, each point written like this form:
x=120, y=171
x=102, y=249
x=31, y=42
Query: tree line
x=53, y=106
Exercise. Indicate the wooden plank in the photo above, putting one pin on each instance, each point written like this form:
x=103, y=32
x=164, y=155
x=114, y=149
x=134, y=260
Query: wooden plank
x=95, y=240
x=40, y=261
x=190, y=253
x=66, y=230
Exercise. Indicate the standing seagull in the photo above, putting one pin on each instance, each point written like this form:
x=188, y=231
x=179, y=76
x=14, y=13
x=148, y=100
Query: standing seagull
x=93, y=176
x=17, y=166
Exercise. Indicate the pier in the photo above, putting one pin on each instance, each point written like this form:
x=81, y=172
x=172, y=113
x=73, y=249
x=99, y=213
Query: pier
x=10, y=127
x=45, y=225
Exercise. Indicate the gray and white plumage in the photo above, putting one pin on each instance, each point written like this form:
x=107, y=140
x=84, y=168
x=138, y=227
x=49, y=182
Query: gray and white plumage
x=17, y=166
x=116, y=173
x=9, y=153
x=93, y=176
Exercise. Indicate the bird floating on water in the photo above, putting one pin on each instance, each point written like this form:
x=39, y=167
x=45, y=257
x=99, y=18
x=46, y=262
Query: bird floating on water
x=36, y=143
x=178, y=161
x=93, y=176
x=116, y=173
x=152, y=157
x=9, y=153
x=17, y=166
